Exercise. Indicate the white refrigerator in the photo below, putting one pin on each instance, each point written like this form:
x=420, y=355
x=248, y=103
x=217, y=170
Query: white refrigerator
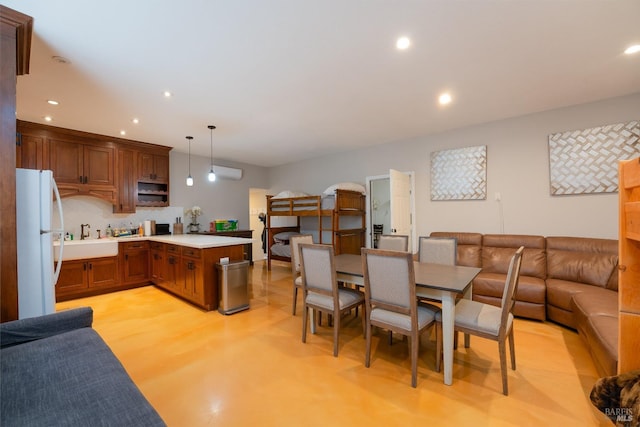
x=35, y=191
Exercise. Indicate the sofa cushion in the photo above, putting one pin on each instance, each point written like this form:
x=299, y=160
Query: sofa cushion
x=69, y=379
x=596, y=301
x=469, y=247
x=583, y=260
x=530, y=289
x=561, y=292
x=497, y=250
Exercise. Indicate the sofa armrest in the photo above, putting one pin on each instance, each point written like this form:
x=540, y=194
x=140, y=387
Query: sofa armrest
x=35, y=328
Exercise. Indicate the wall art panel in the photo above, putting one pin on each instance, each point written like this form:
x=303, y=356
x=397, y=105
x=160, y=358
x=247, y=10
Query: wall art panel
x=459, y=174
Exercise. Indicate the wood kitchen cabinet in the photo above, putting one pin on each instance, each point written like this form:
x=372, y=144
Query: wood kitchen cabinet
x=153, y=167
x=172, y=275
x=135, y=262
x=32, y=152
x=158, y=261
x=86, y=277
x=192, y=275
x=127, y=182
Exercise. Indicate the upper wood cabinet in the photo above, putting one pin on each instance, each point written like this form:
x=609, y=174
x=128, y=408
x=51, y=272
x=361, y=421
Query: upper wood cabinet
x=122, y=172
x=153, y=167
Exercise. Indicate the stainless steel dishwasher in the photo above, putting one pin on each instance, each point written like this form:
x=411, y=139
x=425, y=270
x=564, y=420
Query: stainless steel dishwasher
x=233, y=287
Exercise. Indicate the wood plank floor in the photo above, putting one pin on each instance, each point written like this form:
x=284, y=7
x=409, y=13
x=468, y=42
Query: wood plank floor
x=204, y=369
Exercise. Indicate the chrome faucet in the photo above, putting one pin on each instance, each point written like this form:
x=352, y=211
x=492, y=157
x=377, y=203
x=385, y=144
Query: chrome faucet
x=84, y=235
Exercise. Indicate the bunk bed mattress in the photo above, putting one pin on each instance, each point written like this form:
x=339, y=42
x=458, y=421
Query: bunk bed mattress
x=326, y=203
x=281, y=250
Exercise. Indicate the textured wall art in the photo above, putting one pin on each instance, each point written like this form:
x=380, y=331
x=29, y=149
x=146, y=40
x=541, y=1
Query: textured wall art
x=459, y=174
x=586, y=161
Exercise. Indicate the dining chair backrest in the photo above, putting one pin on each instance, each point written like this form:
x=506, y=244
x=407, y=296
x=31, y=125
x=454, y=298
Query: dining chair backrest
x=294, y=241
x=511, y=285
x=437, y=250
x=317, y=268
x=389, y=280
x=394, y=242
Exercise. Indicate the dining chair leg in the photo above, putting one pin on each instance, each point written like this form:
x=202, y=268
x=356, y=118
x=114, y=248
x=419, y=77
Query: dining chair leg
x=367, y=352
x=467, y=340
x=305, y=316
x=390, y=337
x=438, y=346
x=295, y=299
x=415, y=344
x=503, y=365
x=336, y=330
x=512, y=348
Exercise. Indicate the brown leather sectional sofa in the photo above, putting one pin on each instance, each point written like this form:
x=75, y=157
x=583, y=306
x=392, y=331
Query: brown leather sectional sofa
x=572, y=281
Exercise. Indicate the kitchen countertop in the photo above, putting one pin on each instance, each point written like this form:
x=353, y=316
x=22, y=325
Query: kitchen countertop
x=191, y=240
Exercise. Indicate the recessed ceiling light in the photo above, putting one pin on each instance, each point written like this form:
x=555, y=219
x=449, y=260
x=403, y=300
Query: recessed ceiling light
x=403, y=43
x=632, y=49
x=444, y=99
x=47, y=118
x=135, y=120
x=123, y=132
x=52, y=102
x=167, y=94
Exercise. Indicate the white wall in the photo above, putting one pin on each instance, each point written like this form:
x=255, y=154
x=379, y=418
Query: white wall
x=517, y=167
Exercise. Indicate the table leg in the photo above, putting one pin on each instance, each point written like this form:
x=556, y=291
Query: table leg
x=448, y=314
x=312, y=319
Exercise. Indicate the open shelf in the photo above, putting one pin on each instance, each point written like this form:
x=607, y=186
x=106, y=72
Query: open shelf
x=152, y=194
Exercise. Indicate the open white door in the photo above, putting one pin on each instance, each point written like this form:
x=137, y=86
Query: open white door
x=400, y=211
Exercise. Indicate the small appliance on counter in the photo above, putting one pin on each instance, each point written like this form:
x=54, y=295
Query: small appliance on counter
x=163, y=229
x=150, y=228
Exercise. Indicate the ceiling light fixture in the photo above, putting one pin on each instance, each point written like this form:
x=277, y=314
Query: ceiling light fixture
x=403, y=43
x=444, y=99
x=189, y=178
x=52, y=102
x=135, y=120
x=48, y=118
x=212, y=174
x=123, y=132
x=632, y=49
x=166, y=94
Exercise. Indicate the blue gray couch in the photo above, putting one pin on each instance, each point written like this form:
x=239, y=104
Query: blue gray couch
x=56, y=370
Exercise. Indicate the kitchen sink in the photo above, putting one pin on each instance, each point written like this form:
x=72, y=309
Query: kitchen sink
x=81, y=249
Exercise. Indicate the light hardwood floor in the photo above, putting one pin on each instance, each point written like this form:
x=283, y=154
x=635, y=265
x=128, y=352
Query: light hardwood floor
x=203, y=369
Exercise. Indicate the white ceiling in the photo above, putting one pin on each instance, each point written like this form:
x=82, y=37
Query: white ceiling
x=285, y=80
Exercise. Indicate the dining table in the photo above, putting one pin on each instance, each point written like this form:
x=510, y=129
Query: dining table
x=439, y=282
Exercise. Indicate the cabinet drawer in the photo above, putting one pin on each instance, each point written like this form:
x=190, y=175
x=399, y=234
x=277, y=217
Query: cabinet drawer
x=173, y=249
x=191, y=252
x=156, y=245
x=127, y=246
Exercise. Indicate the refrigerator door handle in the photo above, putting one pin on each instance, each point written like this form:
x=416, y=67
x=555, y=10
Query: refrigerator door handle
x=60, y=231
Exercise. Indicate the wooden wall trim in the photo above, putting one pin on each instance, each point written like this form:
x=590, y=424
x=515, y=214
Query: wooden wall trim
x=24, y=31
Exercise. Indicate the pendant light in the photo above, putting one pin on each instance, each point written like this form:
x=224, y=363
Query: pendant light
x=189, y=178
x=212, y=174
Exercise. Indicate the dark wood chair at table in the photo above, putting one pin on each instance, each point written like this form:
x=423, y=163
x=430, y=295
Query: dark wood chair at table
x=294, y=241
x=489, y=321
x=394, y=242
x=320, y=288
x=391, y=302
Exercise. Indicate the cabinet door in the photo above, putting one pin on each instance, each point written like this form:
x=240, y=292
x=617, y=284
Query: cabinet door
x=127, y=184
x=136, y=263
x=146, y=167
x=103, y=272
x=32, y=153
x=99, y=165
x=158, y=266
x=172, y=277
x=193, y=284
x=161, y=168
x=66, y=159
x=73, y=277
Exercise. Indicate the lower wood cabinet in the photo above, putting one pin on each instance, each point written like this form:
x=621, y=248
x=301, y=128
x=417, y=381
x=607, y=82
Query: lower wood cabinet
x=135, y=262
x=87, y=277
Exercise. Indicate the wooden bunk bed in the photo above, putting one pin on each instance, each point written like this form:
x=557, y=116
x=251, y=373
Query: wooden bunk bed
x=347, y=237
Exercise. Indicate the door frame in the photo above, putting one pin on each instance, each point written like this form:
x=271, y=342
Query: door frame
x=412, y=208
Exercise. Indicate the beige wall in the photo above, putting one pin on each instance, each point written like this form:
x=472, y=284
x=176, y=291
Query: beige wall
x=518, y=168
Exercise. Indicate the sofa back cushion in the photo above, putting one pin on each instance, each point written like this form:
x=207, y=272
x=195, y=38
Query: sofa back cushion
x=583, y=260
x=469, y=247
x=497, y=250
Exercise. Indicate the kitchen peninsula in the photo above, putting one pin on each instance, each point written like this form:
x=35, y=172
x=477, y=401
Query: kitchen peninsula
x=181, y=264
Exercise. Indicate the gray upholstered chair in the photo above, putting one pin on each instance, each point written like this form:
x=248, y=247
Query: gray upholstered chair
x=489, y=321
x=294, y=241
x=437, y=250
x=320, y=288
x=394, y=242
x=390, y=300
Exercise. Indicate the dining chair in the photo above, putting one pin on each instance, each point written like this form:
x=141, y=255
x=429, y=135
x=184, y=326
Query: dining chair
x=320, y=288
x=390, y=300
x=488, y=321
x=294, y=241
x=394, y=242
x=437, y=250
